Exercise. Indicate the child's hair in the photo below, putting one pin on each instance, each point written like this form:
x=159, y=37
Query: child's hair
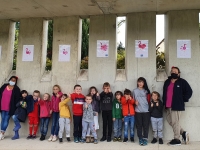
x=58, y=86
x=92, y=87
x=154, y=92
x=141, y=79
x=89, y=95
x=77, y=85
x=118, y=92
x=106, y=84
x=48, y=95
x=24, y=91
x=176, y=68
x=127, y=92
x=65, y=95
x=36, y=91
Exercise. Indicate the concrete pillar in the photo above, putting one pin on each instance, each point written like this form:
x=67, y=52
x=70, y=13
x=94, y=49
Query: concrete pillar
x=185, y=25
x=7, y=36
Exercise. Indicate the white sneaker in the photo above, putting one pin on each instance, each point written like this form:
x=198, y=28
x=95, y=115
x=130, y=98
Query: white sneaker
x=50, y=138
x=54, y=138
x=1, y=136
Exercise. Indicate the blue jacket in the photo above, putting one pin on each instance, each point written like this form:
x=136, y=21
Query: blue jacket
x=182, y=92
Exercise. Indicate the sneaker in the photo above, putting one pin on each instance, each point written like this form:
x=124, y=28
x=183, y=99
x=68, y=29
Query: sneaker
x=2, y=136
x=29, y=137
x=160, y=141
x=42, y=138
x=83, y=140
x=79, y=139
x=33, y=137
x=119, y=139
x=50, y=138
x=92, y=139
x=185, y=137
x=54, y=138
x=103, y=139
x=87, y=139
x=141, y=142
x=132, y=139
x=125, y=140
x=76, y=139
x=145, y=142
x=154, y=141
x=175, y=142
x=115, y=139
x=60, y=140
x=95, y=141
x=108, y=139
x=68, y=139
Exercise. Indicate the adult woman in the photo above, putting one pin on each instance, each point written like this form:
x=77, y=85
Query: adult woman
x=9, y=97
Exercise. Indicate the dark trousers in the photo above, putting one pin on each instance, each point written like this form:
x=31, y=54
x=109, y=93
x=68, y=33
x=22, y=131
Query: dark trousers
x=107, y=122
x=77, y=126
x=142, y=124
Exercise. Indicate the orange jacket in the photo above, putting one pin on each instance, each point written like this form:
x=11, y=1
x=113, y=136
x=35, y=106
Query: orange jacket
x=128, y=106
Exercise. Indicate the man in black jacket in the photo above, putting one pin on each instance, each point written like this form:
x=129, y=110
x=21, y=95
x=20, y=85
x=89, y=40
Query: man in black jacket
x=176, y=91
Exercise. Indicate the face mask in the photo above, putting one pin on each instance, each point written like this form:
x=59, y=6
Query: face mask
x=11, y=83
x=174, y=76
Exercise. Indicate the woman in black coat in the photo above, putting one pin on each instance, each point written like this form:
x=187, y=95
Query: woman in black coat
x=9, y=97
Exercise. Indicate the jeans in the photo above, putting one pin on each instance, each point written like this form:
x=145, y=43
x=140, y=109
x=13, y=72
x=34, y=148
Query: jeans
x=5, y=117
x=157, y=126
x=44, y=125
x=15, y=119
x=117, y=128
x=129, y=122
x=55, y=123
x=85, y=125
x=107, y=122
x=77, y=126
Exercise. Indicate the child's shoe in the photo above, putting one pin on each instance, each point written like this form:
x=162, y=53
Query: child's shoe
x=88, y=139
x=83, y=140
x=132, y=139
x=109, y=139
x=42, y=138
x=95, y=141
x=76, y=139
x=141, y=142
x=125, y=140
x=92, y=140
x=154, y=141
x=60, y=140
x=145, y=142
x=103, y=139
x=29, y=137
x=119, y=139
x=115, y=139
x=160, y=141
x=68, y=139
x=33, y=136
x=54, y=138
x=79, y=139
x=16, y=136
x=50, y=138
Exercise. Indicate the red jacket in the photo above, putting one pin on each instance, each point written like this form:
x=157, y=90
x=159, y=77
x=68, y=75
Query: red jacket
x=35, y=112
x=45, y=108
x=55, y=102
x=77, y=103
x=128, y=106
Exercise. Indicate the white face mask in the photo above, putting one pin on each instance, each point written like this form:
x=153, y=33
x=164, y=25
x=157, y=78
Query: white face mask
x=11, y=83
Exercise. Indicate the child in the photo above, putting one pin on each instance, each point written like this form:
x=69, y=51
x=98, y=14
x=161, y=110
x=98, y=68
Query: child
x=77, y=107
x=128, y=113
x=117, y=116
x=33, y=113
x=106, y=98
x=45, y=113
x=88, y=119
x=96, y=108
x=65, y=118
x=142, y=117
x=156, y=112
x=55, y=100
x=20, y=114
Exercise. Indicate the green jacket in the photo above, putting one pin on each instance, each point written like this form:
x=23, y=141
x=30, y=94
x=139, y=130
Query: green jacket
x=116, y=110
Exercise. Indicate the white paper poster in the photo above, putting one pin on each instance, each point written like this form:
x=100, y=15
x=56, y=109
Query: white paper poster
x=64, y=53
x=183, y=48
x=0, y=51
x=102, y=48
x=28, y=52
x=141, y=48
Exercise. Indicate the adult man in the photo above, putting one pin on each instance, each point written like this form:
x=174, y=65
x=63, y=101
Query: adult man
x=176, y=91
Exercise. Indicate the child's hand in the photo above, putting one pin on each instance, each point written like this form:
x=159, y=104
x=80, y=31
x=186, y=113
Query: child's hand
x=96, y=113
x=122, y=119
x=69, y=95
x=39, y=99
x=157, y=104
x=136, y=102
x=151, y=104
x=20, y=103
x=50, y=112
x=109, y=90
x=86, y=106
x=70, y=120
x=57, y=95
x=113, y=119
x=97, y=94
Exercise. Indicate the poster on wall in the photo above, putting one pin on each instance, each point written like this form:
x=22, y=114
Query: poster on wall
x=183, y=48
x=28, y=52
x=0, y=51
x=141, y=48
x=64, y=53
x=102, y=48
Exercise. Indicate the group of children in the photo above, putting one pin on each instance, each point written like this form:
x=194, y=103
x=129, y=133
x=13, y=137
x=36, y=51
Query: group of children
x=122, y=109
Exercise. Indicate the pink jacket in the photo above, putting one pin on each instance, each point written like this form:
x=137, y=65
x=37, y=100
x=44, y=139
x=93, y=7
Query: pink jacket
x=45, y=108
x=55, y=102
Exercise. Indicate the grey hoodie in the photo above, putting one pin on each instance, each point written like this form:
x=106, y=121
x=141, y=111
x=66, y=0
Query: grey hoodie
x=88, y=113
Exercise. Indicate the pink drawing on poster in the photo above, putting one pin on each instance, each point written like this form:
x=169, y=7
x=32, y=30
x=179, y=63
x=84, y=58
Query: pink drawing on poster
x=65, y=52
x=28, y=52
x=183, y=48
x=104, y=47
x=141, y=46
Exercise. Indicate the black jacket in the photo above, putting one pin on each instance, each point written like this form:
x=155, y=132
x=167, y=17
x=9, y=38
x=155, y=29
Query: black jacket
x=15, y=97
x=30, y=104
x=106, y=101
x=21, y=112
x=96, y=103
x=181, y=93
x=156, y=111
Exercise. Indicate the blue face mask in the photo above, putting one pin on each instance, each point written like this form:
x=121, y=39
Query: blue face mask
x=11, y=83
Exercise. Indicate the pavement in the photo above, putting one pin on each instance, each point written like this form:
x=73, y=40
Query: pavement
x=36, y=144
